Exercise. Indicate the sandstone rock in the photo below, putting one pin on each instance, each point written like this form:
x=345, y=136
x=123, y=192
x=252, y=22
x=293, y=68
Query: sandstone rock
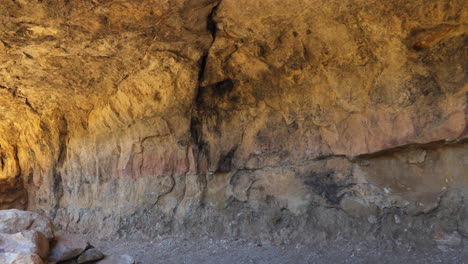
x=122, y=259
x=91, y=254
x=14, y=221
x=235, y=117
x=29, y=242
x=67, y=248
x=19, y=258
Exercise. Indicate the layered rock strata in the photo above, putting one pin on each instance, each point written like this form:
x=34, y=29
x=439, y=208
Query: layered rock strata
x=279, y=120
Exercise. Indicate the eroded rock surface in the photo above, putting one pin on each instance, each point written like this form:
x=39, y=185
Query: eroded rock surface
x=14, y=221
x=30, y=242
x=19, y=258
x=65, y=249
x=271, y=120
x=89, y=255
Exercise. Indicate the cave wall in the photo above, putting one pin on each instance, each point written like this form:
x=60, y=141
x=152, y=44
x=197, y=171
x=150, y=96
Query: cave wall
x=278, y=120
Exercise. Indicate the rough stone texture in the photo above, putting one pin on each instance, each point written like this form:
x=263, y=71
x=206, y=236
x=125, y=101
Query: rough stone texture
x=177, y=250
x=271, y=120
x=122, y=259
x=89, y=255
x=65, y=249
x=30, y=242
x=19, y=258
x=13, y=221
x=12, y=194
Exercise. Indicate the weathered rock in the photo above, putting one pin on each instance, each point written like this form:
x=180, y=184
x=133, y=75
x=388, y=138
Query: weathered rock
x=19, y=258
x=463, y=221
x=121, y=259
x=14, y=221
x=67, y=248
x=450, y=240
x=357, y=208
x=70, y=261
x=273, y=119
x=13, y=194
x=30, y=242
x=91, y=254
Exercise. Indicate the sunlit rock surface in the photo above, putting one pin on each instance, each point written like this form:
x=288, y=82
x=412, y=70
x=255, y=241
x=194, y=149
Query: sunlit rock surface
x=272, y=120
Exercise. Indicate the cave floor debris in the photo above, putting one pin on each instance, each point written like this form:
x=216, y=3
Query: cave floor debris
x=179, y=250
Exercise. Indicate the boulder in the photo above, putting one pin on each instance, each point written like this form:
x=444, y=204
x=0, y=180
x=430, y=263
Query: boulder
x=67, y=248
x=29, y=242
x=20, y=258
x=14, y=221
x=91, y=254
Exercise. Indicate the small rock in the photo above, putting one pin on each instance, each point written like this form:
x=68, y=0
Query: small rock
x=122, y=259
x=65, y=249
x=20, y=258
x=14, y=221
x=29, y=242
x=91, y=254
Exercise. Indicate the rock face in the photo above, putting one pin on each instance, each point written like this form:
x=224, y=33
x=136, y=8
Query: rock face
x=30, y=242
x=20, y=258
x=66, y=249
x=271, y=120
x=15, y=221
x=122, y=259
x=12, y=194
x=89, y=255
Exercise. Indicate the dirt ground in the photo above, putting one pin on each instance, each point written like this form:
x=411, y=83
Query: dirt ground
x=178, y=250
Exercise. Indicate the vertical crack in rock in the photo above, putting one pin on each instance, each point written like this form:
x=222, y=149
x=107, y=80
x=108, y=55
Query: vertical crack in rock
x=196, y=122
x=57, y=181
x=212, y=28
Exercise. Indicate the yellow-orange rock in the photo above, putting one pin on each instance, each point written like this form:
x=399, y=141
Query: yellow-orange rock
x=236, y=117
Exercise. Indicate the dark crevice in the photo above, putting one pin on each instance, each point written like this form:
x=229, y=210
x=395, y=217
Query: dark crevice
x=209, y=93
x=211, y=24
x=408, y=147
x=212, y=28
x=225, y=163
x=195, y=130
x=57, y=186
x=26, y=101
x=201, y=72
x=196, y=122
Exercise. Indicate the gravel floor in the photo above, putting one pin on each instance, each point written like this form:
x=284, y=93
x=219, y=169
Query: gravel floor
x=207, y=251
